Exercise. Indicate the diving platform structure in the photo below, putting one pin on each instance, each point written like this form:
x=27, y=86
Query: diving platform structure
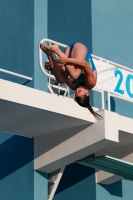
x=63, y=131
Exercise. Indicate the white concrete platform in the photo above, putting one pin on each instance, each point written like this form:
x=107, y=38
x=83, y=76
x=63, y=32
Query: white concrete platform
x=106, y=137
x=63, y=131
x=67, y=146
x=29, y=112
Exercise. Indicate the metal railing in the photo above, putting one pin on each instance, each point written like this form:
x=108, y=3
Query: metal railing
x=111, y=63
x=15, y=74
x=117, y=97
x=52, y=86
x=102, y=96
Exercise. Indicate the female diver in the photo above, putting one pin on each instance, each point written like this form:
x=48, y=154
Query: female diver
x=76, y=62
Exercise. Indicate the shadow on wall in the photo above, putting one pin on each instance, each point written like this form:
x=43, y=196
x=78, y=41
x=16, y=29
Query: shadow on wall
x=70, y=21
x=16, y=152
x=114, y=189
x=78, y=182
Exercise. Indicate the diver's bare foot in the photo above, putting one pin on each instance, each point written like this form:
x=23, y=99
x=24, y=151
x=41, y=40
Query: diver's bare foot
x=54, y=48
x=42, y=47
x=48, y=52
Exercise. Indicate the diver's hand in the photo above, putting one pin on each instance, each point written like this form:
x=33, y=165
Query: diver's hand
x=48, y=66
x=62, y=60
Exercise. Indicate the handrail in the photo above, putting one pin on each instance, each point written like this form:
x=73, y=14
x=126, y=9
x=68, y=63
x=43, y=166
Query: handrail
x=102, y=95
x=15, y=74
x=112, y=63
x=118, y=97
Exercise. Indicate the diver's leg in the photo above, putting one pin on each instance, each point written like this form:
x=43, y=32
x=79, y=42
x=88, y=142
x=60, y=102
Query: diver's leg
x=53, y=48
x=95, y=75
x=59, y=71
x=79, y=51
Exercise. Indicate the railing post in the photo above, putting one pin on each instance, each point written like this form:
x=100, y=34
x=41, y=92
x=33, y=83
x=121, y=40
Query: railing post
x=108, y=100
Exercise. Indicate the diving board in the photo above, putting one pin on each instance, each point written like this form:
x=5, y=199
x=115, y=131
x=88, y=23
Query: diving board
x=29, y=112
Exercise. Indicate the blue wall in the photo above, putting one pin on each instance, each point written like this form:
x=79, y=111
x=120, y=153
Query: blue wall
x=40, y=32
x=17, y=55
x=23, y=24
x=111, y=39
x=40, y=186
x=17, y=38
x=111, y=33
x=16, y=167
x=112, y=30
x=70, y=21
x=119, y=190
x=122, y=107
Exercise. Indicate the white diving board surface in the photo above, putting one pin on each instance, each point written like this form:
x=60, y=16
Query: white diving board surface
x=29, y=112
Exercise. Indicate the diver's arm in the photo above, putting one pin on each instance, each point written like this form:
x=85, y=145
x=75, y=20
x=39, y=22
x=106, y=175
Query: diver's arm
x=90, y=79
x=71, y=84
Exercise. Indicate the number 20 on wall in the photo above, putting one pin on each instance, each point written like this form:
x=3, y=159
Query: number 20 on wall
x=127, y=83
